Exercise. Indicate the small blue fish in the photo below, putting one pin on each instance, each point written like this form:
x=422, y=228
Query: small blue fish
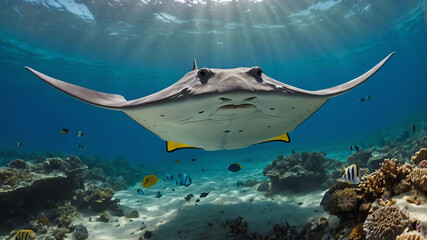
x=19, y=144
x=235, y=167
x=239, y=184
x=167, y=177
x=185, y=179
x=140, y=192
x=158, y=194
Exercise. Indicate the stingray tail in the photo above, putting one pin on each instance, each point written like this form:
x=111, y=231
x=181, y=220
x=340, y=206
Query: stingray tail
x=100, y=99
x=345, y=87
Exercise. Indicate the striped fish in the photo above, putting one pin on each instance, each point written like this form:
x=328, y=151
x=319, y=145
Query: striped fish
x=351, y=174
x=25, y=235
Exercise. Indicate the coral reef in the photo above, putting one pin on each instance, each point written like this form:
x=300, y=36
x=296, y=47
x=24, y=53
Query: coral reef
x=97, y=199
x=25, y=191
x=419, y=156
x=386, y=223
x=238, y=227
x=18, y=163
x=418, y=177
x=299, y=172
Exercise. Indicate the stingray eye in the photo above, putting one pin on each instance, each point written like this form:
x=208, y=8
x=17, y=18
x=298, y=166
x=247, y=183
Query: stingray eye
x=203, y=75
x=256, y=72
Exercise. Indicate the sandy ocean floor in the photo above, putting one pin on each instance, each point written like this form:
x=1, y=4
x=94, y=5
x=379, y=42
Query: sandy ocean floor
x=172, y=217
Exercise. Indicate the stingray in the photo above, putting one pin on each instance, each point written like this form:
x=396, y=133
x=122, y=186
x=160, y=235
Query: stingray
x=215, y=109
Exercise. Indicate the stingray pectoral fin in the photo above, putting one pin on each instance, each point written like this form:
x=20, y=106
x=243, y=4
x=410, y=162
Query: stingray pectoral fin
x=345, y=87
x=172, y=146
x=100, y=99
x=283, y=138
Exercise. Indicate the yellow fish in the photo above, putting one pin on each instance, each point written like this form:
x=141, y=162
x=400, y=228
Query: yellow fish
x=177, y=161
x=149, y=181
x=25, y=235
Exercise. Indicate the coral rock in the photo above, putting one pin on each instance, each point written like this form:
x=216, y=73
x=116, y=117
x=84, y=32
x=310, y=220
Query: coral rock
x=419, y=156
x=80, y=233
x=386, y=223
x=418, y=177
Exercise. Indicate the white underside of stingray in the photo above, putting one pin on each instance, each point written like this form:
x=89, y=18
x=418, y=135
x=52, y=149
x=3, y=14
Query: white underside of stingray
x=216, y=109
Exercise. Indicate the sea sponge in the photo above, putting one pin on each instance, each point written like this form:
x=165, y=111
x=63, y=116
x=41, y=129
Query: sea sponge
x=419, y=156
x=347, y=199
x=357, y=233
x=386, y=223
x=418, y=177
x=412, y=235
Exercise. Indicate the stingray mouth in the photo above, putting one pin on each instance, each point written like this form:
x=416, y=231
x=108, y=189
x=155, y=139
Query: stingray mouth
x=235, y=110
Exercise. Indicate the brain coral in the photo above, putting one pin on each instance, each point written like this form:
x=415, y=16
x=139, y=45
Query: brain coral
x=412, y=235
x=419, y=178
x=386, y=223
x=347, y=199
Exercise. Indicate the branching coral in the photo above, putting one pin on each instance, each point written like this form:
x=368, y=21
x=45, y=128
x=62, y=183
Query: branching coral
x=347, y=199
x=419, y=156
x=386, y=223
x=418, y=177
x=390, y=173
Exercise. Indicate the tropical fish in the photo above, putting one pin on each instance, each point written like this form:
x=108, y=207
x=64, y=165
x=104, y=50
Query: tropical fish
x=80, y=134
x=150, y=180
x=362, y=99
x=185, y=179
x=239, y=184
x=193, y=160
x=235, y=167
x=368, y=97
x=413, y=128
x=351, y=174
x=351, y=148
x=203, y=169
x=140, y=192
x=198, y=200
x=19, y=144
x=215, y=109
x=65, y=130
x=205, y=194
x=25, y=235
x=188, y=197
x=167, y=177
x=177, y=161
x=357, y=148
x=81, y=147
x=158, y=194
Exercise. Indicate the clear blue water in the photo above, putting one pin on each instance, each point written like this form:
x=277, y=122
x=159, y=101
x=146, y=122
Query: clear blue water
x=135, y=48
